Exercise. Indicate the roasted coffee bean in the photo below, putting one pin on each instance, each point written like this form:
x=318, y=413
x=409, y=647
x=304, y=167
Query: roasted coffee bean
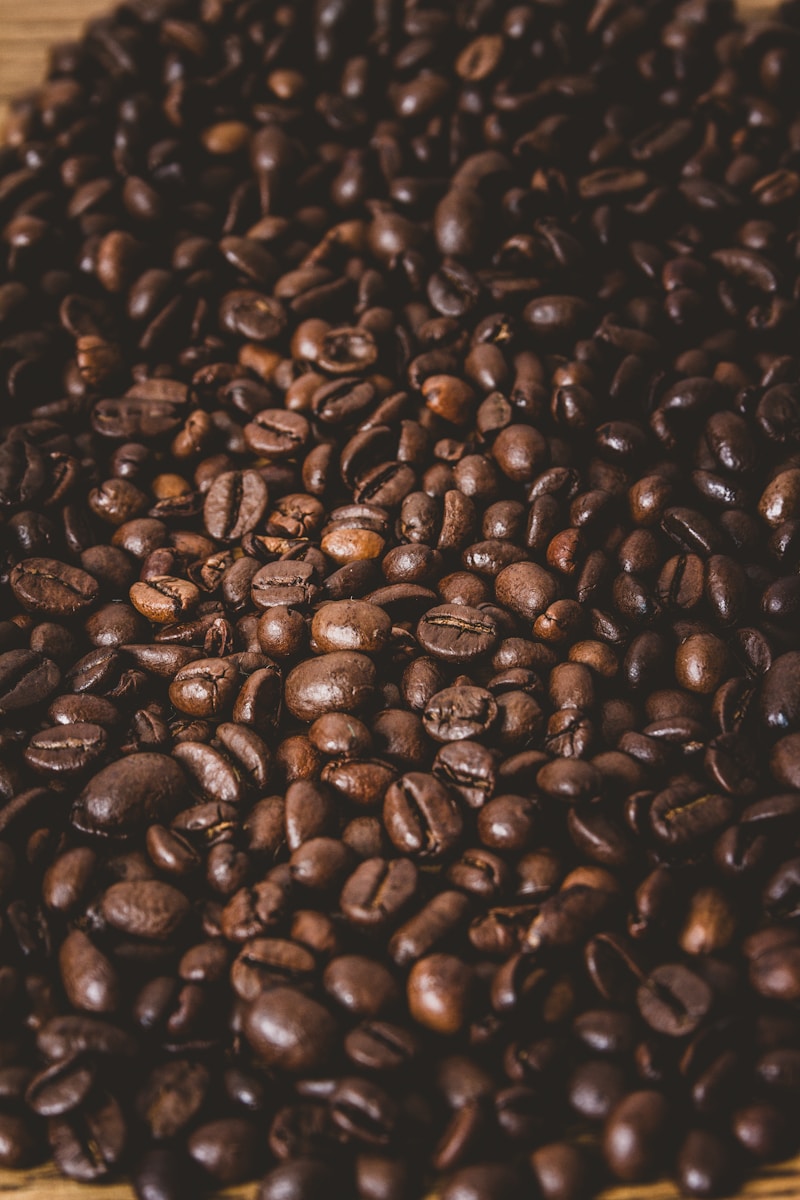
x=290, y=1031
x=89, y=1144
x=378, y=890
x=172, y=1096
x=226, y=1149
x=350, y=625
x=458, y=713
x=707, y=1164
x=343, y=681
x=457, y=633
x=128, y=794
x=234, y=504
x=636, y=1136
x=440, y=989
x=673, y=1000
x=144, y=908
x=301, y=1179
x=53, y=588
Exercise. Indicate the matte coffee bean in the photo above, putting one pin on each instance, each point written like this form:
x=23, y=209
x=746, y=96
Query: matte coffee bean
x=378, y=891
x=172, y=1096
x=460, y=713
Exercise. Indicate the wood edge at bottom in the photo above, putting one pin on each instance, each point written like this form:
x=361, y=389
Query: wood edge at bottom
x=780, y=1181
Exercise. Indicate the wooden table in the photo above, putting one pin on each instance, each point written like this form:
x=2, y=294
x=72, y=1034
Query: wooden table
x=27, y=27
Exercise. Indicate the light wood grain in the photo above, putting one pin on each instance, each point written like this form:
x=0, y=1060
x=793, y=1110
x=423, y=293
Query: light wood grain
x=27, y=28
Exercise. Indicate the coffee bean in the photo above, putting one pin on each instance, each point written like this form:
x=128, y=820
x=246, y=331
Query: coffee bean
x=562, y=1170
x=88, y=1145
x=282, y=583
x=350, y=625
x=234, y=504
x=172, y=1096
x=301, y=1179
x=161, y=1174
x=17, y=1142
x=204, y=688
x=458, y=713
x=636, y=1137
x=439, y=993
x=226, y=1149
x=129, y=793
x=164, y=598
x=673, y=1000
x=378, y=890
x=343, y=681
x=146, y=908
x=62, y=1087
x=421, y=816
x=53, y=588
x=706, y=1165
x=290, y=1031
x=526, y=589
x=26, y=679
x=89, y=978
x=456, y=632
x=479, y=1182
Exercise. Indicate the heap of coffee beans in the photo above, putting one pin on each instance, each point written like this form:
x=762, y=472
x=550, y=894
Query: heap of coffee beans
x=400, y=653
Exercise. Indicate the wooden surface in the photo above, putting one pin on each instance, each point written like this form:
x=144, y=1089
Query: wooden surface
x=27, y=28
x=44, y=1183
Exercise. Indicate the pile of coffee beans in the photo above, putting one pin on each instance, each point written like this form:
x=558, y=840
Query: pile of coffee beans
x=400, y=581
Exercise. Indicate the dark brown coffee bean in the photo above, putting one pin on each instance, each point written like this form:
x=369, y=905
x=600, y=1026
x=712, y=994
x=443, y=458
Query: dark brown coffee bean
x=673, y=1000
x=234, y=504
x=146, y=908
x=290, y=1031
x=378, y=890
x=26, y=679
x=636, y=1139
x=89, y=1144
x=339, y=682
x=55, y=589
x=458, y=713
x=439, y=993
x=457, y=633
x=128, y=793
x=226, y=1149
x=421, y=816
x=172, y=1096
